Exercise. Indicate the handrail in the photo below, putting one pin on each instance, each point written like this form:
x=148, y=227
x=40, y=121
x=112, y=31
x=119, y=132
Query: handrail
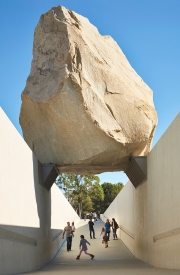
x=127, y=232
x=57, y=235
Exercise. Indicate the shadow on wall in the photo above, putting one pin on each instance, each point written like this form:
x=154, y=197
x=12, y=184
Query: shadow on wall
x=43, y=201
x=31, y=217
x=26, y=248
x=9, y=232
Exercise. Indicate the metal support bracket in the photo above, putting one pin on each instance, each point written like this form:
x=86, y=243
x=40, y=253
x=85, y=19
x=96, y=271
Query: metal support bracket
x=137, y=170
x=49, y=175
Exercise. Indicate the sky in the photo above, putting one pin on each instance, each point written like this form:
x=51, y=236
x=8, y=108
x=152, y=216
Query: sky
x=148, y=32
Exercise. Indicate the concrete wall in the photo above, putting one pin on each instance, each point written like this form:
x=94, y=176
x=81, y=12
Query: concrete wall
x=122, y=209
x=150, y=214
x=31, y=218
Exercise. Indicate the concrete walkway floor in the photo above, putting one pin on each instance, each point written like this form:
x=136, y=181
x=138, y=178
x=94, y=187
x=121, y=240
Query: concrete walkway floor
x=116, y=259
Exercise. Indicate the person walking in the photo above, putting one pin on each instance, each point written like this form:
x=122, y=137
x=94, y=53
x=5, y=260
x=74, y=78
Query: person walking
x=91, y=229
x=98, y=215
x=106, y=239
x=83, y=247
x=107, y=227
x=115, y=226
x=102, y=234
x=68, y=230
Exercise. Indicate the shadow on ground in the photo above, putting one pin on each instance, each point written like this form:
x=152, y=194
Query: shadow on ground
x=116, y=259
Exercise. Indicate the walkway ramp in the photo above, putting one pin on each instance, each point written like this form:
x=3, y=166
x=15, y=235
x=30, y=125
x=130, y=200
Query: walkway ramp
x=114, y=260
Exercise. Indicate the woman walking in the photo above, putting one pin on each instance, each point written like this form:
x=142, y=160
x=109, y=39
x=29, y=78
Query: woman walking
x=107, y=227
x=114, y=228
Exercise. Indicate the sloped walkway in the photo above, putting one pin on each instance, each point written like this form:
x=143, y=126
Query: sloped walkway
x=116, y=259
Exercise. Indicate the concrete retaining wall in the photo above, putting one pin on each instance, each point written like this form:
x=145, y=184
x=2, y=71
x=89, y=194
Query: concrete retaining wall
x=122, y=209
x=149, y=215
x=31, y=218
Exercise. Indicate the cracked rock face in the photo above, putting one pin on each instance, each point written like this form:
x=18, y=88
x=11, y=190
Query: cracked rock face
x=84, y=108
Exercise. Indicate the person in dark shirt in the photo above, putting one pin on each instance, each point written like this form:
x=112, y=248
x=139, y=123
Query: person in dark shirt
x=106, y=239
x=91, y=229
x=115, y=226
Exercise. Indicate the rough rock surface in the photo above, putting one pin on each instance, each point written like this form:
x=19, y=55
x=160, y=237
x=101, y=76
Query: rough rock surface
x=84, y=108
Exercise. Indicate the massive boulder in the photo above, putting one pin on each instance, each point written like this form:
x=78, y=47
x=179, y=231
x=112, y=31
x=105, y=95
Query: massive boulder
x=84, y=108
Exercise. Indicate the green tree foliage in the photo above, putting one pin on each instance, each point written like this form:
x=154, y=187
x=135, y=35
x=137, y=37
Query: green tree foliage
x=110, y=192
x=82, y=191
x=85, y=194
x=97, y=197
x=87, y=206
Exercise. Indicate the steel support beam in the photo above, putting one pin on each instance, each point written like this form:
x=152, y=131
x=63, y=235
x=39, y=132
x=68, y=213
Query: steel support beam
x=49, y=175
x=137, y=170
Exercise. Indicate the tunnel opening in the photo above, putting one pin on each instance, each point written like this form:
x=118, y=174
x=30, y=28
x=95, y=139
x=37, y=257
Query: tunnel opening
x=90, y=195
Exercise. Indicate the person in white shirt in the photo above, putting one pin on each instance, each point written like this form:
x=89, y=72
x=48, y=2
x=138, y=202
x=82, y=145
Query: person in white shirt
x=102, y=234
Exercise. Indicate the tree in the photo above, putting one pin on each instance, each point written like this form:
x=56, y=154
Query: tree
x=87, y=206
x=97, y=196
x=64, y=182
x=80, y=190
x=110, y=192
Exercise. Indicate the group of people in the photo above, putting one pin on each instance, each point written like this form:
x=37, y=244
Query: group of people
x=69, y=230
x=92, y=216
x=105, y=233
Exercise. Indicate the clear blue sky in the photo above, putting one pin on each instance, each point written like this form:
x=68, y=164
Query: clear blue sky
x=148, y=32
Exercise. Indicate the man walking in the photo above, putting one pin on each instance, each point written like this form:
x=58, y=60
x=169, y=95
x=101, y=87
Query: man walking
x=91, y=229
x=68, y=230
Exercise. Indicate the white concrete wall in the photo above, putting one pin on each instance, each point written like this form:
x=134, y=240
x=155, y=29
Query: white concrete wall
x=26, y=208
x=122, y=209
x=153, y=208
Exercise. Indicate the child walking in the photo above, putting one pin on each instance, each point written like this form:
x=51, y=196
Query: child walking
x=106, y=239
x=102, y=234
x=83, y=247
x=73, y=229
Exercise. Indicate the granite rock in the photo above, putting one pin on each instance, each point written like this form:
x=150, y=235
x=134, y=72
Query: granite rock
x=84, y=108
